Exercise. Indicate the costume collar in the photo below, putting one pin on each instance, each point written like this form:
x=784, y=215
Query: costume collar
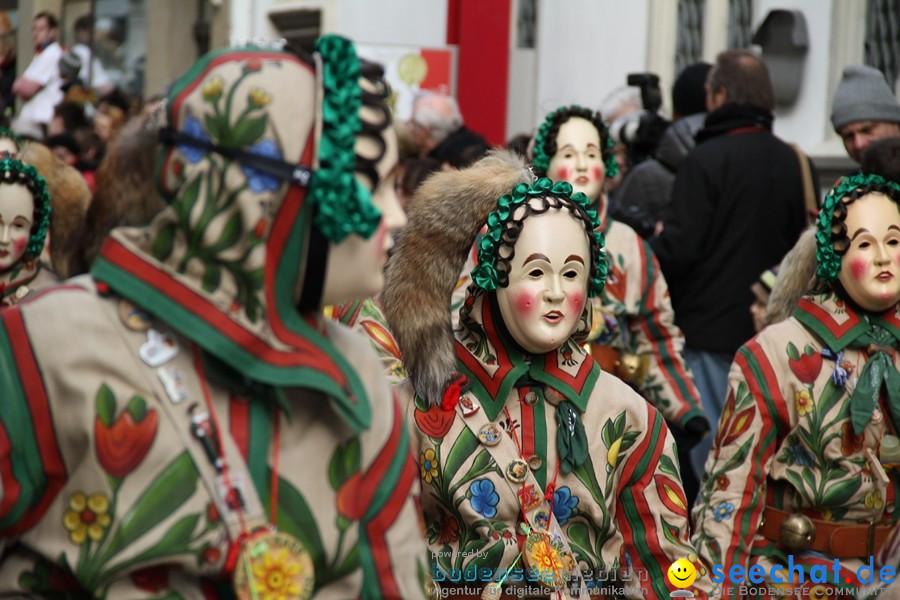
x=838, y=324
x=15, y=278
x=494, y=363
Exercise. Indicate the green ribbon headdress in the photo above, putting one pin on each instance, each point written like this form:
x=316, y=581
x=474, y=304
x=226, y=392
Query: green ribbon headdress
x=545, y=139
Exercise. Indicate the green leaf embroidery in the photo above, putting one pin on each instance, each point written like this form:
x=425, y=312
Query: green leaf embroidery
x=212, y=276
x=105, y=405
x=841, y=492
x=137, y=407
x=344, y=462
x=178, y=537
x=164, y=242
x=792, y=351
x=248, y=131
x=231, y=233
x=462, y=449
x=184, y=204
x=160, y=499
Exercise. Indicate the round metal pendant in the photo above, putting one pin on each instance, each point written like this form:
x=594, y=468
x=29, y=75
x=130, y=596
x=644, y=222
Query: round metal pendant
x=517, y=470
x=134, y=318
x=273, y=564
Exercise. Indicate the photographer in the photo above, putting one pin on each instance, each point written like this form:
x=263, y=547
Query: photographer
x=647, y=188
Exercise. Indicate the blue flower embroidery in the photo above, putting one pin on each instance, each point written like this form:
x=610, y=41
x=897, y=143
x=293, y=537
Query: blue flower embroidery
x=257, y=180
x=484, y=498
x=801, y=455
x=563, y=504
x=723, y=511
x=193, y=128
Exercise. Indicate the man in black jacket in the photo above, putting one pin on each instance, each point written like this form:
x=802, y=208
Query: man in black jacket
x=737, y=208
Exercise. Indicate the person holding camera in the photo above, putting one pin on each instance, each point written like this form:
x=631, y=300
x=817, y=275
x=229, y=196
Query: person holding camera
x=737, y=207
x=647, y=188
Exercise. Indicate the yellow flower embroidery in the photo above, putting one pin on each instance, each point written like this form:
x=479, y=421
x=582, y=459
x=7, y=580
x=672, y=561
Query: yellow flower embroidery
x=258, y=97
x=275, y=576
x=212, y=89
x=428, y=465
x=803, y=402
x=874, y=500
x=88, y=516
x=546, y=559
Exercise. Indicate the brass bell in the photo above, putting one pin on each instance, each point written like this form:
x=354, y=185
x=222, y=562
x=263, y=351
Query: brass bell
x=630, y=368
x=797, y=531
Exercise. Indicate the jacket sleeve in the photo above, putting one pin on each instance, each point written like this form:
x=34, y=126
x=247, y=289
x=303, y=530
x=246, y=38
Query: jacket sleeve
x=686, y=222
x=31, y=466
x=668, y=383
x=730, y=505
x=651, y=510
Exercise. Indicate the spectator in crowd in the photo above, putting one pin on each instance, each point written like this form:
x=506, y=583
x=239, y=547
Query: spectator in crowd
x=439, y=131
x=737, y=207
x=864, y=109
x=7, y=67
x=519, y=144
x=762, y=290
x=39, y=85
x=411, y=173
x=647, y=189
x=64, y=147
x=67, y=117
x=92, y=73
x=619, y=104
x=108, y=121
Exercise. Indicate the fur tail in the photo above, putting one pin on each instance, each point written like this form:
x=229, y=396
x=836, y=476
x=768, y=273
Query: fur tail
x=445, y=216
x=796, y=277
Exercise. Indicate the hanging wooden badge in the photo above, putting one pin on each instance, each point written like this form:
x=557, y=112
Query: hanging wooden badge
x=273, y=564
x=546, y=555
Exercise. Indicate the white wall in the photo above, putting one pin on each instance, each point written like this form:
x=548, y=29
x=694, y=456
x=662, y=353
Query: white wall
x=405, y=22
x=805, y=121
x=586, y=48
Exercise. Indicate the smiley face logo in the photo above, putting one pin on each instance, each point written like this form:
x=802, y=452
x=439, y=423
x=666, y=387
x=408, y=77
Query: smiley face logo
x=682, y=573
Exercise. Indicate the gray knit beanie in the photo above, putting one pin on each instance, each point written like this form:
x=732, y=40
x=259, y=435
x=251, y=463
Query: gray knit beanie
x=863, y=95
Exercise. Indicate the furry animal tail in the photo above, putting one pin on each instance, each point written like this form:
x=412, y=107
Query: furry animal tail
x=445, y=216
x=796, y=277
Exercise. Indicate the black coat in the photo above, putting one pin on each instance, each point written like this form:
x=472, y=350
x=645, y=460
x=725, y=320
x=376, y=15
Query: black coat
x=737, y=208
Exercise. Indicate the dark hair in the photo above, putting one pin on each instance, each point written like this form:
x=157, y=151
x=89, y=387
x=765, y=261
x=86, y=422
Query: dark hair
x=65, y=140
x=375, y=101
x=882, y=157
x=72, y=115
x=519, y=144
x=840, y=237
x=50, y=17
x=84, y=23
x=415, y=171
x=563, y=115
x=744, y=78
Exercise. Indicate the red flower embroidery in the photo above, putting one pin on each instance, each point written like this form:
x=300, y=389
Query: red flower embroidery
x=850, y=442
x=153, y=579
x=212, y=513
x=435, y=421
x=722, y=483
x=211, y=555
x=348, y=498
x=254, y=64
x=449, y=530
x=122, y=446
x=805, y=366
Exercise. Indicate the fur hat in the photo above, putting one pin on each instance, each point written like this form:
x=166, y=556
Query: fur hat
x=69, y=199
x=445, y=216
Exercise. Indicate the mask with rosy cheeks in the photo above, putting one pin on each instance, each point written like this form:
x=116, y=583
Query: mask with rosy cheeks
x=548, y=281
x=355, y=267
x=578, y=158
x=16, y=217
x=870, y=268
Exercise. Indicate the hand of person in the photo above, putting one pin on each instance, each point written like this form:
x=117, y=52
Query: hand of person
x=692, y=433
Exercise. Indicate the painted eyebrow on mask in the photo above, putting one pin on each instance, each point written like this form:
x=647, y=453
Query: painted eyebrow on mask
x=858, y=232
x=574, y=257
x=535, y=256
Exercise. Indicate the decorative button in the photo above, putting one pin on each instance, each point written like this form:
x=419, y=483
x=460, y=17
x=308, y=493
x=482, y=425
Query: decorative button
x=133, y=317
x=531, y=398
x=535, y=462
x=490, y=434
x=517, y=470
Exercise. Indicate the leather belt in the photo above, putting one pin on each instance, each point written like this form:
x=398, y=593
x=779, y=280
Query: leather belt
x=835, y=539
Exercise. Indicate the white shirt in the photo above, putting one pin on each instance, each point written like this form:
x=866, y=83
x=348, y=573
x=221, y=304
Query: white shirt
x=99, y=77
x=44, y=69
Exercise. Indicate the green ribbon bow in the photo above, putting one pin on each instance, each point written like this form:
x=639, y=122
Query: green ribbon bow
x=571, y=440
x=879, y=370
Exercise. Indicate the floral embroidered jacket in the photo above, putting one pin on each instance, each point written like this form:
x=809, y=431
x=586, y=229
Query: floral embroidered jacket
x=105, y=489
x=623, y=509
x=785, y=439
x=634, y=314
